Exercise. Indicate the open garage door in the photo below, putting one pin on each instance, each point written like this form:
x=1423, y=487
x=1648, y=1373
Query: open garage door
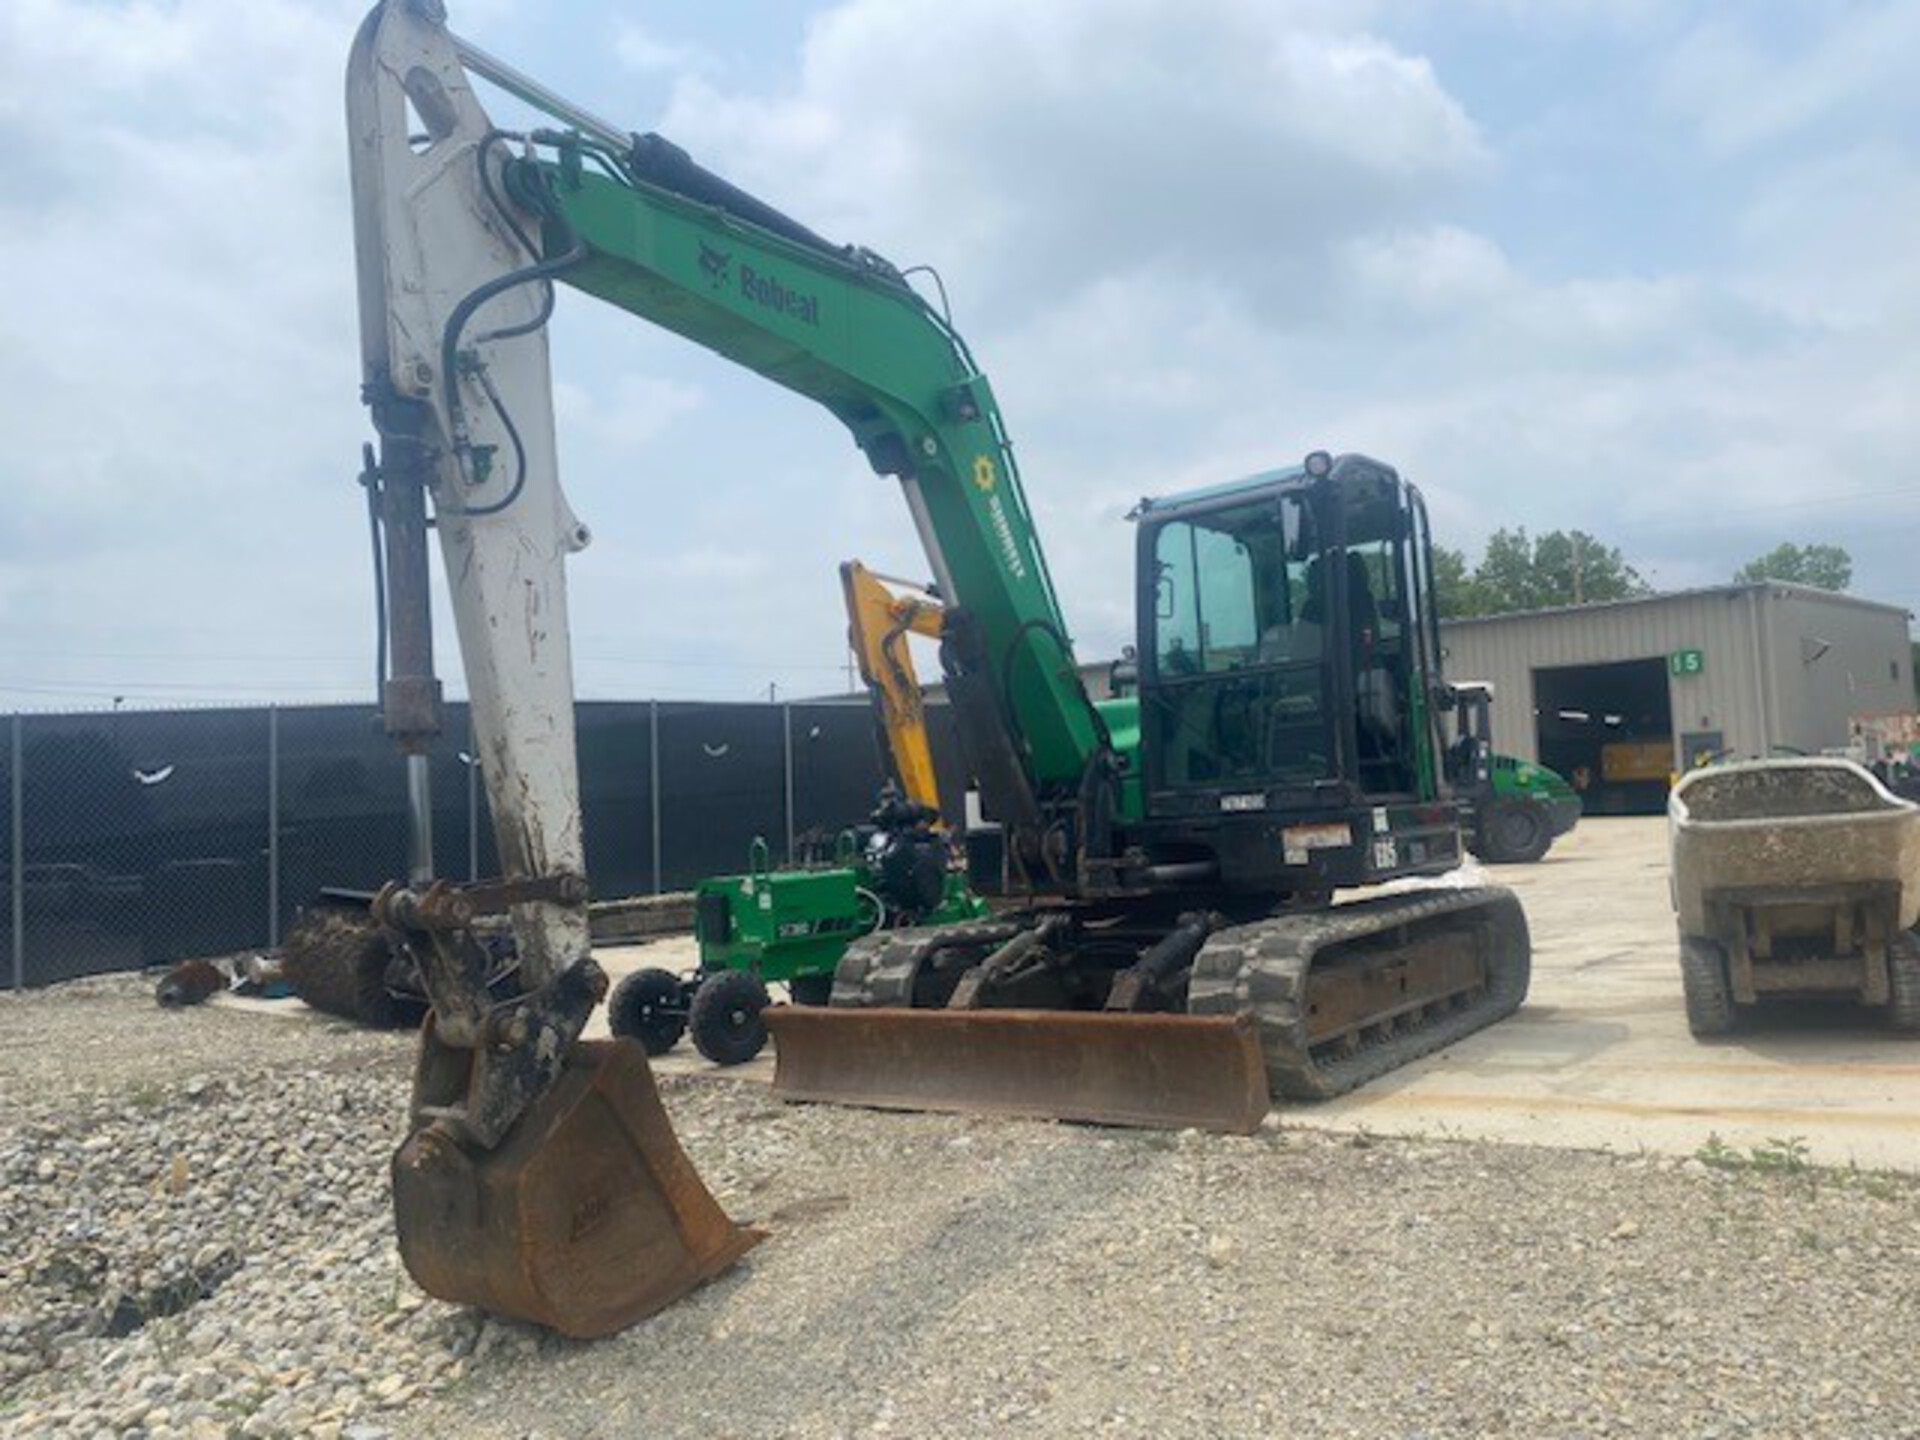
x=1609, y=730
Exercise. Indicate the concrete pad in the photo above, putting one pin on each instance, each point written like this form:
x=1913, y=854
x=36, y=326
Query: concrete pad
x=1601, y=1057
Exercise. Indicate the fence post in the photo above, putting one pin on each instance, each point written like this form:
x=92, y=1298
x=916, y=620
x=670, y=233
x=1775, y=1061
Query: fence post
x=653, y=784
x=273, y=825
x=786, y=741
x=17, y=858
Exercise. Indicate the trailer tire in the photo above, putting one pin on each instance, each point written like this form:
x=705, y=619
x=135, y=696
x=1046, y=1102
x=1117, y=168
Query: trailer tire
x=1514, y=832
x=725, y=1017
x=649, y=1006
x=1903, y=982
x=1703, y=975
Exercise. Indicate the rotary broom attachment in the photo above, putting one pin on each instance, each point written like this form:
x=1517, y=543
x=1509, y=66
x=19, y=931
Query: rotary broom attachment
x=340, y=961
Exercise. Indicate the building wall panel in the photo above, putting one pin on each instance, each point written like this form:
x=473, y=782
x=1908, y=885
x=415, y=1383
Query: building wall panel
x=1831, y=661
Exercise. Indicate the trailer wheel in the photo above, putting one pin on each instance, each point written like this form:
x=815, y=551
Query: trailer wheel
x=649, y=1006
x=1903, y=981
x=811, y=989
x=725, y=1018
x=1514, y=832
x=1703, y=975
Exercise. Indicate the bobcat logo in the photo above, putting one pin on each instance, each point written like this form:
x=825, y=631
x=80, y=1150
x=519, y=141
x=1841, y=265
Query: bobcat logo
x=715, y=264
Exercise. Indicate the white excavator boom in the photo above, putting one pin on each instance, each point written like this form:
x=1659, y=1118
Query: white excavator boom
x=540, y=1177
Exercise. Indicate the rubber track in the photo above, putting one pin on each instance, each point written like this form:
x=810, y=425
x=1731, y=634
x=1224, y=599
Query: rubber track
x=880, y=969
x=1703, y=981
x=1263, y=968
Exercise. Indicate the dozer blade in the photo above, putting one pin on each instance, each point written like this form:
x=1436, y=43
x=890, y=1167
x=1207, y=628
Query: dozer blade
x=1153, y=1071
x=586, y=1218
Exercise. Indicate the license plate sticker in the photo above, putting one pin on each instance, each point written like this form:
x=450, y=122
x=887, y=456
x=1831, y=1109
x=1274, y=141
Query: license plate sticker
x=1298, y=840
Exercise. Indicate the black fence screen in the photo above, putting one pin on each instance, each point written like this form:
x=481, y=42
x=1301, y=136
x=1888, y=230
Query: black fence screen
x=616, y=797
x=9, y=847
x=722, y=783
x=142, y=837
x=836, y=772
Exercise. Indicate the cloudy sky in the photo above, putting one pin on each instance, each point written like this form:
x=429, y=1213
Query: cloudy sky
x=1645, y=269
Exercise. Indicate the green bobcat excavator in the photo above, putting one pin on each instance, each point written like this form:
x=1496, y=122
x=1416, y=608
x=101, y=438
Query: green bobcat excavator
x=1177, y=957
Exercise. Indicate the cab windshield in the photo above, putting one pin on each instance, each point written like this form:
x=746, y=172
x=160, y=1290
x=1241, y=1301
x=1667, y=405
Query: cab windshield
x=1239, y=621
x=1237, y=588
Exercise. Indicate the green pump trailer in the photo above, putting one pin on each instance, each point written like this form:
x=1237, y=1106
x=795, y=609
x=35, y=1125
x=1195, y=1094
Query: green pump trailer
x=791, y=926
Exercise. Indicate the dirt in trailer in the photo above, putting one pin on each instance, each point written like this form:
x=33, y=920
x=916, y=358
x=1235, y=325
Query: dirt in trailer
x=195, y=1240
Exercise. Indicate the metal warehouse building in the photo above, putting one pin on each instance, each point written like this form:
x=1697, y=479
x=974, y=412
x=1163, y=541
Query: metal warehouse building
x=1617, y=696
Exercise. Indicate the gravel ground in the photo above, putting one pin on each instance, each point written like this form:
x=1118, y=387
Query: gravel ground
x=926, y=1276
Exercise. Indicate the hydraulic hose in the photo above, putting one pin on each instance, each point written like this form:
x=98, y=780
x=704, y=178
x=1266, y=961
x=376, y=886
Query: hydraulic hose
x=542, y=270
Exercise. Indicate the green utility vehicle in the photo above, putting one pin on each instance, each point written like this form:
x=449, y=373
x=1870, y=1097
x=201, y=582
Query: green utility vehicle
x=1512, y=810
x=1520, y=811
x=792, y=926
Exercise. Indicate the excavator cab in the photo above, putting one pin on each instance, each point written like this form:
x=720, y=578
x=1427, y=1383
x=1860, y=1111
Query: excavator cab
x=1287, y=646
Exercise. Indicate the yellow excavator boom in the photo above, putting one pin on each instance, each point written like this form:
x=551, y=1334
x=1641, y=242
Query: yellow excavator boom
x=881, y=613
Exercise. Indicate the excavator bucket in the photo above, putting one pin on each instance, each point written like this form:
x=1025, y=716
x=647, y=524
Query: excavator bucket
x=587, y=1218
x=1151, y=1071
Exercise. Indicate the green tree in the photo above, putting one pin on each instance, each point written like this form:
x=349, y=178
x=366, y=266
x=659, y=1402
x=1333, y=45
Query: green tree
x=1453, y=584
x=1561, y=567
x=1505, y=576
x=1827, y=567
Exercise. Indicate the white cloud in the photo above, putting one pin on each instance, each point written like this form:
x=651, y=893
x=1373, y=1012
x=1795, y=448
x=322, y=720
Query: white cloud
x=1090, y=138
x=645, y=53
x=178, y=337
x=624, y=420
x=1743, y=86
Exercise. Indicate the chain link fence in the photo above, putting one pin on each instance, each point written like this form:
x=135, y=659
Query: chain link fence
x=137, y=838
